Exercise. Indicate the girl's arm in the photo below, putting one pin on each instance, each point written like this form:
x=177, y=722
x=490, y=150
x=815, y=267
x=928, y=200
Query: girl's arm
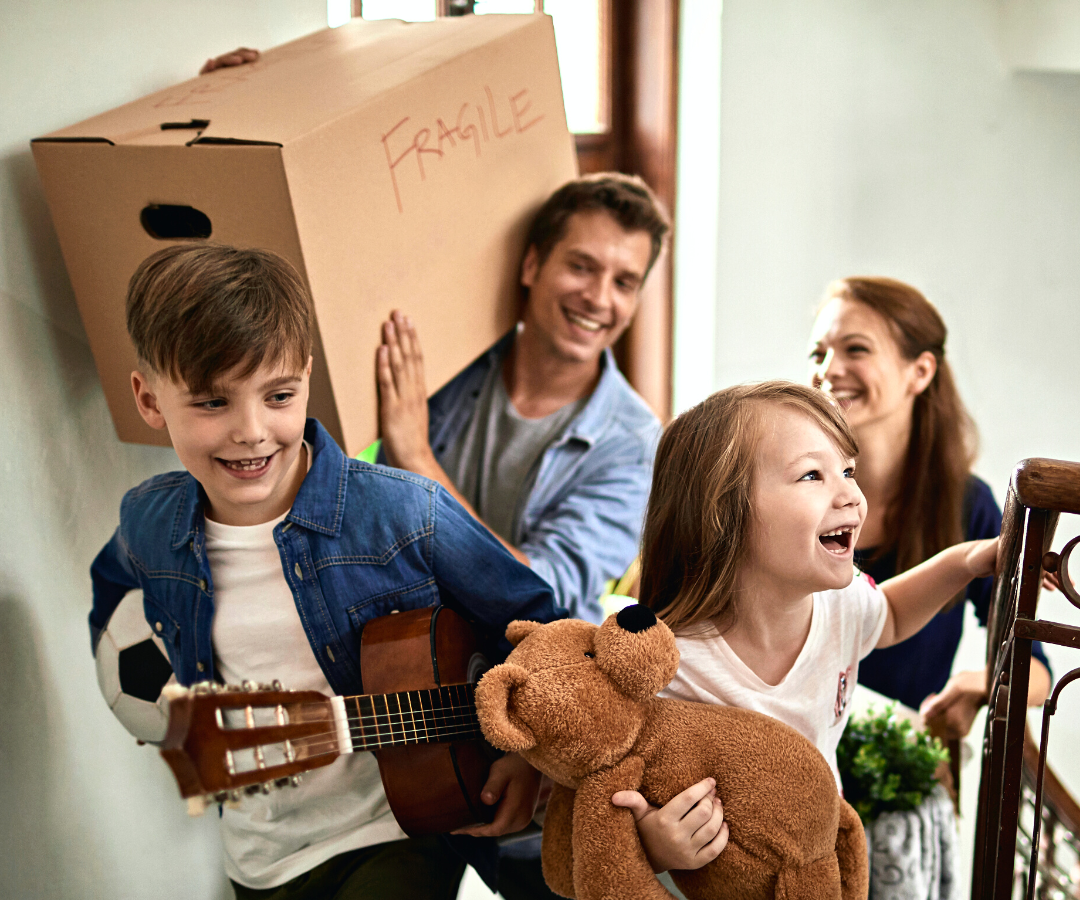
x=915, y=596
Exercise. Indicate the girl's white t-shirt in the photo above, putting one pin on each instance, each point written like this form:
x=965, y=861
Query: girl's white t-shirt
x=813, y=697
x=258, y=636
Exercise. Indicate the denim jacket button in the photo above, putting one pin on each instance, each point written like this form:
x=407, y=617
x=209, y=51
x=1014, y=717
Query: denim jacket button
x=157, y=627
x=299, y=574
x=200, y=667
x=202, y=584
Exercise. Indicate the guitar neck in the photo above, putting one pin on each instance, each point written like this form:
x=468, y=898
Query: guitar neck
x=375, y=721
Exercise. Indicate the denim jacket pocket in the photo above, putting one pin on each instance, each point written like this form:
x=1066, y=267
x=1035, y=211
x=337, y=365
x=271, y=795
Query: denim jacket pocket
x=416, y=596
x=164, y=626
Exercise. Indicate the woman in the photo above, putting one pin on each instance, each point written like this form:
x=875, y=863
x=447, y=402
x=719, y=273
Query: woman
x=878, y=347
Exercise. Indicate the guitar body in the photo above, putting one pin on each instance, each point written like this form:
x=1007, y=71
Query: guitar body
x=432, y=787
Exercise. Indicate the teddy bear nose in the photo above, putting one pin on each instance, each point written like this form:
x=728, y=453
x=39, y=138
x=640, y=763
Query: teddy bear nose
x=635, y=618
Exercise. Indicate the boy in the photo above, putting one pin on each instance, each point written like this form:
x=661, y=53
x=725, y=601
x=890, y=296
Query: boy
x=267, y=555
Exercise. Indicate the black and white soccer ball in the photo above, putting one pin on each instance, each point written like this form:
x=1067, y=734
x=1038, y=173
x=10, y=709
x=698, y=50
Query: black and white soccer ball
x=133, y=669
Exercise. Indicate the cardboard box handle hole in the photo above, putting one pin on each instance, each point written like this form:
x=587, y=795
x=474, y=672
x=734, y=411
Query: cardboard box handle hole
x=166, y=222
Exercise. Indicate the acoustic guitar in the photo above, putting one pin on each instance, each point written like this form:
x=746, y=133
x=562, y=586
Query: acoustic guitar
x=418, y=717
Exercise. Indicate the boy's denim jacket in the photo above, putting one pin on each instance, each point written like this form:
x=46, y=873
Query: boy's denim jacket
x=360, y=541
x=581, y=523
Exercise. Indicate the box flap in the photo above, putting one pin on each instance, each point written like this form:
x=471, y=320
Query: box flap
x=311, y=81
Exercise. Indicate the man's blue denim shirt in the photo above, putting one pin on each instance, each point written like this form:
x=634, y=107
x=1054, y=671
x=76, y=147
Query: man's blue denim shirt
x=360, y=541
x=581, y=523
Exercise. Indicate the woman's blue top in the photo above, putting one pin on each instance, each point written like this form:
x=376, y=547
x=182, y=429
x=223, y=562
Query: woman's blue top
x=913, y=669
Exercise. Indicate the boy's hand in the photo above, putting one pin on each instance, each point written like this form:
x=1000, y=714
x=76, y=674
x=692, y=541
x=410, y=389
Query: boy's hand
x=403, y=410
x=951, y=713
x=981, y=558
x=686, y=833
x=236, y=57
x=514, y=785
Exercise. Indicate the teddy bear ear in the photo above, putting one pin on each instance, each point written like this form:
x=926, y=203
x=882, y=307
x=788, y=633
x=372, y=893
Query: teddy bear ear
x=520, y=629
x=502, y=727
x=636, y=651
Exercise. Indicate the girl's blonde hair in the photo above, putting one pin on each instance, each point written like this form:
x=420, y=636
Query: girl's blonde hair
x=697, y=527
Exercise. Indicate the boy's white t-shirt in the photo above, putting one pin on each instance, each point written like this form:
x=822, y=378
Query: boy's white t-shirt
x=813, y=697
x=257, y=635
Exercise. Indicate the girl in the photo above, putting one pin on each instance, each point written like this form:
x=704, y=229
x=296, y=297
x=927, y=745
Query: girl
x=747, y=554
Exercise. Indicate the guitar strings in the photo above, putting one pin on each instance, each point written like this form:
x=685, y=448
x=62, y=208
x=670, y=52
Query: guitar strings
x=405, y=726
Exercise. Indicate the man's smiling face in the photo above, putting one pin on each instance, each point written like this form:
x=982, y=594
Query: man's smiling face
x=583, y=296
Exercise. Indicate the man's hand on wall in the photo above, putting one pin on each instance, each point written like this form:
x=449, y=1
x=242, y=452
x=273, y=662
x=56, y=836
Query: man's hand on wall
x=236, y=57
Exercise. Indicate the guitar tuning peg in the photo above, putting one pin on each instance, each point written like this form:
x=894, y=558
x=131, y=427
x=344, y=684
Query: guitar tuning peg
x=247, y=685
x=266, y=787
x=295, y=780
x=175, y=691
x=234, y=796
x=281, y=782
x=196, y=806
x=221, y=796
x=252, y=789
x=275, y=685
x=216, y=688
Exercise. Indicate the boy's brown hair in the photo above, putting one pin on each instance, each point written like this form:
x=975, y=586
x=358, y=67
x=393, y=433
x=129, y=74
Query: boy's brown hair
x=197, y=311
x=697, y=527
x=626, y=198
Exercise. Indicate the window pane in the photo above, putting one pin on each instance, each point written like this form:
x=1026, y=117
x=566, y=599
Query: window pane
x=483, y=7
x=579, y=34
x=338, y=12
x=580, y=39
x=409, y=10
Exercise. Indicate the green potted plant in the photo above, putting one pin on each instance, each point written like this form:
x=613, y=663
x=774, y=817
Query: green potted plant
x=888, y=773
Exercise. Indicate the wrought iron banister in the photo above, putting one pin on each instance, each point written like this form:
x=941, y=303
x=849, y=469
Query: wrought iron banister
x=1040, y=490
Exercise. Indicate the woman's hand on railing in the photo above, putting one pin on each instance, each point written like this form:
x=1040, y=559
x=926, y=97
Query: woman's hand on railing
x=950, y=714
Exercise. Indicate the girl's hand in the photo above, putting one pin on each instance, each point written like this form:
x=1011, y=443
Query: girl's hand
x=981, y=558
x=686, y=833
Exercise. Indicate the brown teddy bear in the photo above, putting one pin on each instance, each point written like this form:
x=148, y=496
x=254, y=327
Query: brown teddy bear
x=578, y=702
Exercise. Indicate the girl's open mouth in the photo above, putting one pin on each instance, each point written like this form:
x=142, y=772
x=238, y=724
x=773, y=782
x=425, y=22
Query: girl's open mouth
x=838, y=541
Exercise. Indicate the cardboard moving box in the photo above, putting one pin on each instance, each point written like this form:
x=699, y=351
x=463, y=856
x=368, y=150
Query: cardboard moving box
x=395, y=165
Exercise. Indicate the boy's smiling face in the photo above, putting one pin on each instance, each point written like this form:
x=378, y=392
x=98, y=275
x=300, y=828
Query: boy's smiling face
x=241, y=441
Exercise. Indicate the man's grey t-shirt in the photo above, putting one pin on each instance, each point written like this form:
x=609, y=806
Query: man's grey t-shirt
x=495, y=459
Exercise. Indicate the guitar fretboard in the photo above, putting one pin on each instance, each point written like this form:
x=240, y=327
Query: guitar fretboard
x=412, y=717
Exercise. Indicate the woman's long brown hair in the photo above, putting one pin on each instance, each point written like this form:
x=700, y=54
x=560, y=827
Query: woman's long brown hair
x=926, y=513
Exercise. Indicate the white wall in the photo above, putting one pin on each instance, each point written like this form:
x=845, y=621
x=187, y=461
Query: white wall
x=87, y=813
x=884, y=137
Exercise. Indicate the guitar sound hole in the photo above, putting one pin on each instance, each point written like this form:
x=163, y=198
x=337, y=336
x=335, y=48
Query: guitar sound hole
x=478, y=665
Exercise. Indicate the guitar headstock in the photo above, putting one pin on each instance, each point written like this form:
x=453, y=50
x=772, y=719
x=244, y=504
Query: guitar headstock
x=225, y=740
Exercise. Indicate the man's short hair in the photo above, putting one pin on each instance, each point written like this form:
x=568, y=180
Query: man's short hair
x=626, y=198
x=198, y=311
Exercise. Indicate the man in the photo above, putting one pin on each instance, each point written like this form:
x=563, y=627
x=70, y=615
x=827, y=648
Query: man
x=542, y=438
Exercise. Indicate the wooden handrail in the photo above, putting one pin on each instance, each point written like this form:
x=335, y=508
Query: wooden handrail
x=1051, y=484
